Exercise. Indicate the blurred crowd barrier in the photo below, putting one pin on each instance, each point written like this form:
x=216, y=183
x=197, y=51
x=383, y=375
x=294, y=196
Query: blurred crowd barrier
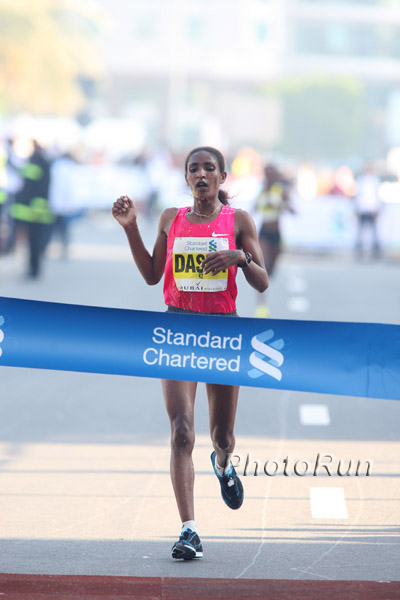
x=82, y=181
x=328, y=222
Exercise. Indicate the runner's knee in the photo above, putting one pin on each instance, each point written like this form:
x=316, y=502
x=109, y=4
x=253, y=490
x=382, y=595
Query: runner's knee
x=182, y=435
x=222, y=438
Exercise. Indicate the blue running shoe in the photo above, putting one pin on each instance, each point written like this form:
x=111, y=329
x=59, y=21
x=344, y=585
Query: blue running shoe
x=231, y=487
x=188, y=546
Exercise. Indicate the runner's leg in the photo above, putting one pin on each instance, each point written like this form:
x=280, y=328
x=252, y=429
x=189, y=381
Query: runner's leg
x=179, y=399
x=222, y=404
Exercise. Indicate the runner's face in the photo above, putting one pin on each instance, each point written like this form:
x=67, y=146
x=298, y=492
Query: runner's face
x=203, y=175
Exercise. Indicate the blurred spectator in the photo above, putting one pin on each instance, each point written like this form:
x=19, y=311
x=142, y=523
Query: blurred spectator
x=273, y=199
x=140, y=183
x=367, y=206
x=145, y=188
x=167, y=178
x=344, y=184
x=3, y=196
x=10, y=183
x=158, y=171
x=31, y=208
x=61, y=197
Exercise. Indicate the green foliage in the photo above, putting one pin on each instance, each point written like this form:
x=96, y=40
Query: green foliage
x=45, y=47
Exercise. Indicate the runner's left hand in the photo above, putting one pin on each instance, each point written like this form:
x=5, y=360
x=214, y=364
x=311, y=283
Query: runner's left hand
x=216, y=262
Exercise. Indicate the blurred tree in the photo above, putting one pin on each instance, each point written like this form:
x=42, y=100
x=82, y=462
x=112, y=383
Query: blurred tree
x=323, y=117
x=46, y=47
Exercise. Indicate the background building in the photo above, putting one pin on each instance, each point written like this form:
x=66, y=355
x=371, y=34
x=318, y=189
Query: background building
x=237, y=72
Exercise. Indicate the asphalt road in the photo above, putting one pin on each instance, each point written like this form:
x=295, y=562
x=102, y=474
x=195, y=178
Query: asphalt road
x=84, y=459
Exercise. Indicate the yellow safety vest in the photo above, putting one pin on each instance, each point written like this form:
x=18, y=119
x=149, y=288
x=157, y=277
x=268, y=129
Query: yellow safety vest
x=36, y=211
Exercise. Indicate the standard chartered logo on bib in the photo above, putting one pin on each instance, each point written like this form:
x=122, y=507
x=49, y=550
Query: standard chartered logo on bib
x=188, y=254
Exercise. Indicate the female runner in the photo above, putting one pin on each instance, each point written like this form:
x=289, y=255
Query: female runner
x=234, y=240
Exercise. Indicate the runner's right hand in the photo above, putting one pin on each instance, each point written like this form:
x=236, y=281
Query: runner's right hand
x=124, y=211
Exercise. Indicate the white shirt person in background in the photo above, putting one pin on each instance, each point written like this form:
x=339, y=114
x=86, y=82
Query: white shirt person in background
x=368, y=206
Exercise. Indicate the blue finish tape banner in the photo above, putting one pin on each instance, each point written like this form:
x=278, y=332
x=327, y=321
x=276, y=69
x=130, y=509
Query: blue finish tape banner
x=352, y=359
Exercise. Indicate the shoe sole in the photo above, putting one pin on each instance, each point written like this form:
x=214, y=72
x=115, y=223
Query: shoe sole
x=230, y=505
x=222, y=489
x=186, y=552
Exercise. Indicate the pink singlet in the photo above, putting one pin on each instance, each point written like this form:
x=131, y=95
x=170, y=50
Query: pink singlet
x=185, y=285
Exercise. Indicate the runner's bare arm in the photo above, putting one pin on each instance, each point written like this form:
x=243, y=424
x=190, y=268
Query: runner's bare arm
x=247, y=239
x=151, y=266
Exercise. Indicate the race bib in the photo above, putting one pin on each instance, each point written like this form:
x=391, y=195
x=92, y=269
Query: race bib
x=188, y=254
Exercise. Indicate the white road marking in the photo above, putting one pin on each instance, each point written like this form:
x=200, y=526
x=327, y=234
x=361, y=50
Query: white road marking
x=264, y=512
x=298, y=304
x=328, y=503
x=314, y=414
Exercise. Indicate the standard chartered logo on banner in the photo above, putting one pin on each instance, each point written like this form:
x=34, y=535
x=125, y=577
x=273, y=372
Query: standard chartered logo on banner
x=1, y=333
x=266, y=358
x=190, y=350
x=207, y=350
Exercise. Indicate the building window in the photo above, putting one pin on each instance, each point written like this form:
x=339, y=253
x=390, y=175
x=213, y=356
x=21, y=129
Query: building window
x=308, y=39
x=144, y=28
x=262, y=31
x=383, y=3
x=338, y=39
x=196, y=29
